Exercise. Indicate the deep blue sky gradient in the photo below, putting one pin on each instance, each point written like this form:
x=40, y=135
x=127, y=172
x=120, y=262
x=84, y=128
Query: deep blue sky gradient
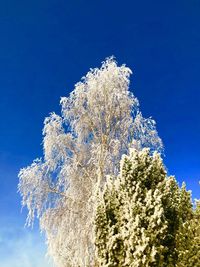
x=47, y=46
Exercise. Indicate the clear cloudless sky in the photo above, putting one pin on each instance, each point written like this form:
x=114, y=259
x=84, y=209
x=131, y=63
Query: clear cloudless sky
x=46, y=46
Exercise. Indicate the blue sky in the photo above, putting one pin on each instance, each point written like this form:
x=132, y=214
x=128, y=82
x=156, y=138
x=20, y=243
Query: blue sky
x=47, y=46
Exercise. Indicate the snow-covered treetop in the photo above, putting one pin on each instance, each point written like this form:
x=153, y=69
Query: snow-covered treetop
x=100, y=121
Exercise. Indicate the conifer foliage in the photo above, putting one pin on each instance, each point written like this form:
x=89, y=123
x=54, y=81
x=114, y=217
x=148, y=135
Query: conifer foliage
x=142, y=214
x=188, y=239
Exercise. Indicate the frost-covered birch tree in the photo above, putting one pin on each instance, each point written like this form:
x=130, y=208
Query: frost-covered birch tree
x=99, y=121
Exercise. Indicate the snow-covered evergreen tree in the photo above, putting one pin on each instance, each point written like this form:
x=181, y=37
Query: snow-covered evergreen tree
x=100, y=119
x=188, y=238
x=137, y=216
